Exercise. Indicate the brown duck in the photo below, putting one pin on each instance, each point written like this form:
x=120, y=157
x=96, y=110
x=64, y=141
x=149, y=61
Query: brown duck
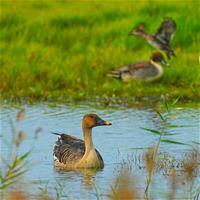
x=73, y=153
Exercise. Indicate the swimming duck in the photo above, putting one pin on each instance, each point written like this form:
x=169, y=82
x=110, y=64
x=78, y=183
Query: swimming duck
x=73, y=153
x=146, y=71
x=161, y=39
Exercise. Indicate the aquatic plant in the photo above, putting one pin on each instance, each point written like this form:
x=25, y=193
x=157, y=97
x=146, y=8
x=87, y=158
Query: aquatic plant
x=126, y=185
x=16, y=164
x=150, y=160
x=191, y=167
x=152, y=155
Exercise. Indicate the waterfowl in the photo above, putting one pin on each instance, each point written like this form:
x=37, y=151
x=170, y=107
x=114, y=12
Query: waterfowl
x=161, y=39
x=146, y=71
x=73, y=153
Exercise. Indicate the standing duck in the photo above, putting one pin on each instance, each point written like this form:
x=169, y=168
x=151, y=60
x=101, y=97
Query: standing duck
x=73, y=153
x=161, y=39
x=146, y=71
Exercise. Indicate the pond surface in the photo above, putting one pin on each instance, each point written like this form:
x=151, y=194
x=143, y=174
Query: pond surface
x=124, y=141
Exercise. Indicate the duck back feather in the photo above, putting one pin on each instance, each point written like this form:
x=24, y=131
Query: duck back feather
x=69, y=150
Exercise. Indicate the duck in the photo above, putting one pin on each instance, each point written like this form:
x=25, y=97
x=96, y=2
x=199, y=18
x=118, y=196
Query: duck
x=161, y=39
x=144, y=71
x=73, y=153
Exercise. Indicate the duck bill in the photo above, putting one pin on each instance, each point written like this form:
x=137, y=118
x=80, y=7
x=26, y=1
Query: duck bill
x=101, y=122
x=107, y=123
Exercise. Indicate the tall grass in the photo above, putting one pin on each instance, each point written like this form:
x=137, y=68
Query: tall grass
x=64, y=49
x=14, y=165
x=152, y=156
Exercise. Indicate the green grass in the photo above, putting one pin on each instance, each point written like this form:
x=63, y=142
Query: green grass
x=63, y=50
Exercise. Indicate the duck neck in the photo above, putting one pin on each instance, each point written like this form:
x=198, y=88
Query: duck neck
x=158, y=67
x=87, y=132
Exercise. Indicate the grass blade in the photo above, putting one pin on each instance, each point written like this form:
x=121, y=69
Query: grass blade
x=168, y=134
x=160, y=115
x=20, y=159
x=176, y=100
x=195, y=142
x=172, y=142
x=5, y=185
x=152, y=131
x=176, y=126
x=14, y=176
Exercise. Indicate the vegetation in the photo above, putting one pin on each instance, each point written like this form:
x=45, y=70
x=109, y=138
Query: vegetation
x=126, y=185
x=14, y=164
x=62, y=50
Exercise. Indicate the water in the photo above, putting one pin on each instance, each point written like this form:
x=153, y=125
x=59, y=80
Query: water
x=123, y=141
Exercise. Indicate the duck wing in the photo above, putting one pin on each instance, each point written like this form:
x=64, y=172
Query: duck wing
x=139, y=65
x=128, y=72
x=142, y=70
x=128, y=69
x=166, y=30
x=69, y=149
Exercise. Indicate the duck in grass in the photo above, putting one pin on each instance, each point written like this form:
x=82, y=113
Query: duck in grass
x=73, y=153
x=161, y=39
x=145, y=71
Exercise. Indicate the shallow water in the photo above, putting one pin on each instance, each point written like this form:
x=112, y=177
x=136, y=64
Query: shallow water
x=124, y=141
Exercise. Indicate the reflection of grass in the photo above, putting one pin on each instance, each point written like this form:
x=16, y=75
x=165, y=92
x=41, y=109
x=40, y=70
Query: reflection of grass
x=64, y=49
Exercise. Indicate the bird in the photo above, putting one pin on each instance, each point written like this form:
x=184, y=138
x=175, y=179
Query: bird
x=161, y=39
x=145, y=71
x=73, y=153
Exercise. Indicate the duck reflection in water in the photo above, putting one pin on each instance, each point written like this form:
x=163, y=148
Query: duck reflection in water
x=87, y=176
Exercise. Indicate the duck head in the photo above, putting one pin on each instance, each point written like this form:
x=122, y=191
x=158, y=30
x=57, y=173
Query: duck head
x=158, y=57
x=92, y=120
x=138, y=30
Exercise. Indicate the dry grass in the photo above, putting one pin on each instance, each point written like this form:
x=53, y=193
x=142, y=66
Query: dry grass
x=124, y=186
x=17, y=195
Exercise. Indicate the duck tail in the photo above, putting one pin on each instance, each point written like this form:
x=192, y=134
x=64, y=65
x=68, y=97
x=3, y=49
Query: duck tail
x=139, y=30
x=56, y=133
x=114, y=74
